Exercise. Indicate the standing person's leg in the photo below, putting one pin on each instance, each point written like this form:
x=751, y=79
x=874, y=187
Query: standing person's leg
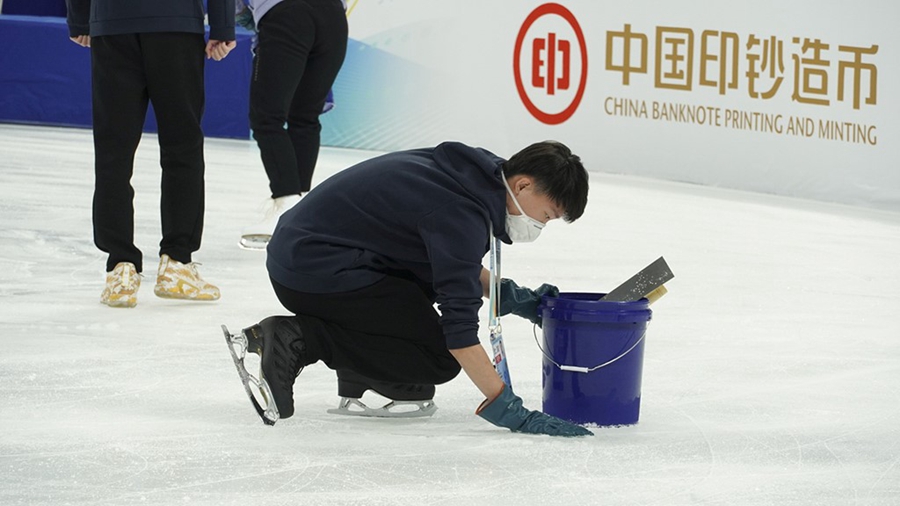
x=174, y=65
x=286, y=37
x=119, y=96
x=322, y=67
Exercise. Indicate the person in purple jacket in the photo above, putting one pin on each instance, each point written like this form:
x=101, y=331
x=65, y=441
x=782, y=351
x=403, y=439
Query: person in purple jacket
x=150, y=51
x=300, y=46
x=363, y=258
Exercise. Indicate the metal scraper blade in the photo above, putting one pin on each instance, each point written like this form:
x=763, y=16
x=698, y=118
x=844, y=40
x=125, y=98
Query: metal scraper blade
x=638, y=286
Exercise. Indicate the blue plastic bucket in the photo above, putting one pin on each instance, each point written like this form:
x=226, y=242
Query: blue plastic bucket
x=593, y=358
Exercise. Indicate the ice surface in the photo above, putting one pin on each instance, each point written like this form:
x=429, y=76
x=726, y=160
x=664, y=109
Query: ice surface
x=771, y=373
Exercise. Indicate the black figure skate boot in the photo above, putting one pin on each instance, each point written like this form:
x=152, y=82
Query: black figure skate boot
x=406, y=400
x=279, y=342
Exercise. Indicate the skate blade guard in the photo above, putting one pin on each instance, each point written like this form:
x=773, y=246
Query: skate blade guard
x=257, y=389
x=393, y=409
x=254, y=242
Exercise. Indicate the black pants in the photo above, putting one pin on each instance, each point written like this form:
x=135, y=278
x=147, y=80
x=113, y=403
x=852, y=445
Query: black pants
x=127, y=72
x=302, y=44
x=388, y=331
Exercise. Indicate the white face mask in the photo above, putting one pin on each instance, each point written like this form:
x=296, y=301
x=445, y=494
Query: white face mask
x=521, y=228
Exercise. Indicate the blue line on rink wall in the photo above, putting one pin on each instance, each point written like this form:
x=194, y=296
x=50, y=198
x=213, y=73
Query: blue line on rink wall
x=46, y=79
x=381, y=101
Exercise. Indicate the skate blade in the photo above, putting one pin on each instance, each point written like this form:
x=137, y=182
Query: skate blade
x=254, y=242
x=269, y=414
x=393, y=409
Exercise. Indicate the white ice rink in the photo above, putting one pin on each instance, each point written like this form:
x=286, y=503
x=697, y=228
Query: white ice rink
x=771, y=372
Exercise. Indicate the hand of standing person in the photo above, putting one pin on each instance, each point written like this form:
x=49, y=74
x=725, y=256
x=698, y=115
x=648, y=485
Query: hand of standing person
x=82, y=40
x=219, y=49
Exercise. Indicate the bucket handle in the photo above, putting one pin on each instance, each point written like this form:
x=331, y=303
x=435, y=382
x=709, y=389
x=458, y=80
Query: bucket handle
x=575, y=368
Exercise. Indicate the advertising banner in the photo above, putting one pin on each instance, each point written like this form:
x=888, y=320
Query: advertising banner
x=791, y=98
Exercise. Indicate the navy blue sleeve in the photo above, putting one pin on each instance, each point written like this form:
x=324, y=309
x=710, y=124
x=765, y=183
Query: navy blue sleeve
x=78, y=14
x=455, y=236
x=221, y=19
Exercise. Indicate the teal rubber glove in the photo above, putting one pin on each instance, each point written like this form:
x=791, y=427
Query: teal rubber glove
x=522, y=301
x=507, y=411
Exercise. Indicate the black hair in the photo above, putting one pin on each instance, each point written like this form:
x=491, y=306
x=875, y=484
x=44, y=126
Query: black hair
x=557, y=173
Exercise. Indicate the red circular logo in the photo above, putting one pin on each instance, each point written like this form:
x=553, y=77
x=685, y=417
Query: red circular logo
x=552, y=98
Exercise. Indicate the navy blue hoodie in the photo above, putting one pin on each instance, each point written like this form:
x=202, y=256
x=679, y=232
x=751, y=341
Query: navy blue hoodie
x=116, y=17
x=424, y=213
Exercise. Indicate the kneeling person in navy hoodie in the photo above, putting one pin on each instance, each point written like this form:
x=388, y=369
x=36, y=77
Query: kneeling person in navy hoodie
x=363, y=258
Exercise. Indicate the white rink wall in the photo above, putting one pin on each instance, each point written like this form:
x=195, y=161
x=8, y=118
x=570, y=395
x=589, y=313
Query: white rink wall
x=793, y=98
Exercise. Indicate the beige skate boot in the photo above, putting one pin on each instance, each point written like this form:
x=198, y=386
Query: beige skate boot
x=122, y=284
x=176, y=280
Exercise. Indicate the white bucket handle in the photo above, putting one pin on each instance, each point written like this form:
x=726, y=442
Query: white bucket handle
x=575, y=368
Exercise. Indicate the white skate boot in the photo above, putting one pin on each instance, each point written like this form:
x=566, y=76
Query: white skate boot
x=256, y=237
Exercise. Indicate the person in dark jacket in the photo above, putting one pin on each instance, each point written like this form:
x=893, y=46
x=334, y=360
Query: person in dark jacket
x=363, y=258
x=150, y=51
